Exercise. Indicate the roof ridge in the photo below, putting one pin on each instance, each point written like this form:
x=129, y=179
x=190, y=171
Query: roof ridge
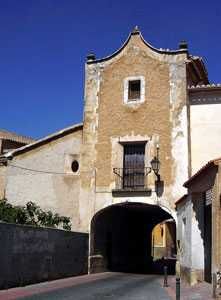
x=200, y=170
x=43, y=140
x=213, y=85
x=10, y=135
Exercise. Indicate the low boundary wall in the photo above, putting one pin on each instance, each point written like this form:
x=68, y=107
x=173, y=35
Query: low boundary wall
x=31, y=254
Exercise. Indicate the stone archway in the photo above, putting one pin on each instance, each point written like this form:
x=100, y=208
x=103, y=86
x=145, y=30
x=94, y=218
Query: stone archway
x=121, y=237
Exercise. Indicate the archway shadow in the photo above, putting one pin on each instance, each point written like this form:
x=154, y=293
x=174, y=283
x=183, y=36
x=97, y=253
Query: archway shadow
x=151, y=267
x=121, y=237
x=159, y=264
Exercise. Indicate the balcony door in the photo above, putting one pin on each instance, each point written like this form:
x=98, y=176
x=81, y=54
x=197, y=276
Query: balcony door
x=133, y=171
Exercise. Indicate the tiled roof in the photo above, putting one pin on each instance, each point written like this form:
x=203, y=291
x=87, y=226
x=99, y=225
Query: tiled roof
x=210, y=163
x=11, y=136
x=196, y=65
x=181, y=199
x=205, y=86
x=44, y=140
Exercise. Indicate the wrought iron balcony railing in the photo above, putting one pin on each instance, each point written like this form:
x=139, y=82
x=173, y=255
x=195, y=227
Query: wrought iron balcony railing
x=131, y=178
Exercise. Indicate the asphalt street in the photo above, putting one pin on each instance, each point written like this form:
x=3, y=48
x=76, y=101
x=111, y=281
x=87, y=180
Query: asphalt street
x=117, y=286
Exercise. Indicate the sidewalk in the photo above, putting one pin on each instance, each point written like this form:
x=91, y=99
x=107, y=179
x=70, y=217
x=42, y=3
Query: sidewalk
x=201, y=291
x=47, y=286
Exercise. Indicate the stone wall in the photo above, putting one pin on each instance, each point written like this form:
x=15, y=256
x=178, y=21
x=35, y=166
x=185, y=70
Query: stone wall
x=29, y=255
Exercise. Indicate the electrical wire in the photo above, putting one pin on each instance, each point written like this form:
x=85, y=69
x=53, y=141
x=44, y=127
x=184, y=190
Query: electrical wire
x=42, y=171
x=37, y=171
x=54, y=173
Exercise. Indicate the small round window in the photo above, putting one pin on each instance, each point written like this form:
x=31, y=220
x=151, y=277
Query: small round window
x=75, y=166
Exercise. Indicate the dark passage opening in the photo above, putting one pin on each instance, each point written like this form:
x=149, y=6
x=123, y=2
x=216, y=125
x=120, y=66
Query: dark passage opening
x=134, y=89
x=207, y=242
x=121, y=239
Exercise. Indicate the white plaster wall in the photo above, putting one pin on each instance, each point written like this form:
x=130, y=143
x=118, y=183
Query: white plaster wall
x=178, y=115
x=184, y=232
x=191, y=235
x=205, y=122
x=197, y=236
x=55, y=192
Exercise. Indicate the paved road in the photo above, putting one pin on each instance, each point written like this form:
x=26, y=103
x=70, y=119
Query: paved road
x=109, y=286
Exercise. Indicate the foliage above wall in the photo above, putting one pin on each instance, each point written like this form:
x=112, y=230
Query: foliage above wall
x=31, y=214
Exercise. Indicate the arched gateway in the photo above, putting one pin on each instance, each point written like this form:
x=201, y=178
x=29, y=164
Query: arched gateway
x=121, y=237
x=134, y=148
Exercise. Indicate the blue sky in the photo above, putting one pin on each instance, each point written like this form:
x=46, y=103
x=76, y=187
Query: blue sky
x=44, y=44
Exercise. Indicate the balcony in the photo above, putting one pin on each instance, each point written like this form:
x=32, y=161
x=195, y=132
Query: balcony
x=131, y=181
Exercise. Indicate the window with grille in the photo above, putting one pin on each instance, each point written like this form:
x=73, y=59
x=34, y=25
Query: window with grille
x=133, y=175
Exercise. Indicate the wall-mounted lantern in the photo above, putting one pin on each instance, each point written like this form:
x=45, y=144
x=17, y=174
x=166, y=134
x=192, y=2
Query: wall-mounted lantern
x=155, y=164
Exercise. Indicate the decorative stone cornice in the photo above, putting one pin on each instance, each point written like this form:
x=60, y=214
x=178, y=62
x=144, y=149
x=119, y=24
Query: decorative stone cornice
x=183, y=48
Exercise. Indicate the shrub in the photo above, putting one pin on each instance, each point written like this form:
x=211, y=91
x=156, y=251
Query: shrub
x=32, y=214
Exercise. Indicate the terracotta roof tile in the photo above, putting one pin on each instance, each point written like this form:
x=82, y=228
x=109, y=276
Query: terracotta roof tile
x=205, y=86
x=181, y=199
x=44, y=140
x=207, y=165
x=7, y=135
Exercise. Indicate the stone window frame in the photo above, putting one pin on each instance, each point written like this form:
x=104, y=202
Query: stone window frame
x=126, y=90
x=69, y=158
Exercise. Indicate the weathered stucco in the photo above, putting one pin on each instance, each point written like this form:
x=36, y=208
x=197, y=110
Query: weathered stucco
x=2, y=181
x=53, y=186
x=190, y=235
x=196, y=247
x=205, y=133
x=160, y=119
x=216, y=221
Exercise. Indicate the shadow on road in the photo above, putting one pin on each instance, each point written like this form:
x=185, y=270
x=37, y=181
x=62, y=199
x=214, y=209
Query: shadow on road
x=151, y=267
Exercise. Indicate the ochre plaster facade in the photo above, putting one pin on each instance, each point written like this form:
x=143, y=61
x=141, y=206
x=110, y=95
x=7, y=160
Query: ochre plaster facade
x=160, y=119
